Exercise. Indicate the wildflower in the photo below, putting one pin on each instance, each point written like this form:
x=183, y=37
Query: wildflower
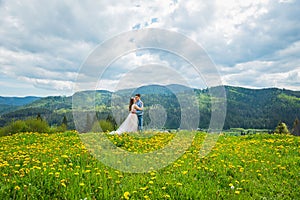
x=57, y=174
x=237, y=192
x=17, y=188
x=179, y=184
x=81, y=184
x=126, y=195
x=144, y=188
x=152, y=174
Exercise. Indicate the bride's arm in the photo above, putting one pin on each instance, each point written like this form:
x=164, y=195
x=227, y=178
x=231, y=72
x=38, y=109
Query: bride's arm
x=137, y=108
x=133, y=109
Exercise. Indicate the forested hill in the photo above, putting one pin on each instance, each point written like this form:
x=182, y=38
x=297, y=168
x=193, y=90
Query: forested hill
x=246, y=108
x=12, y=103
x=261, y=108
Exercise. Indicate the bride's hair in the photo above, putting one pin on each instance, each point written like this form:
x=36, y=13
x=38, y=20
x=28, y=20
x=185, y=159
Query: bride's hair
x=131, y=102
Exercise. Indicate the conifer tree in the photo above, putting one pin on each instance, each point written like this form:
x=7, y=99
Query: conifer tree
x=296, y=127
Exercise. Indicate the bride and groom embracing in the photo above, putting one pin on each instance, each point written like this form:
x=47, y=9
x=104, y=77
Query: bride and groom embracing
x=134, y=120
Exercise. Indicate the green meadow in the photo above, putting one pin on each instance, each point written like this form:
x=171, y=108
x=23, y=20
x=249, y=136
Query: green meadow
x=58, y=166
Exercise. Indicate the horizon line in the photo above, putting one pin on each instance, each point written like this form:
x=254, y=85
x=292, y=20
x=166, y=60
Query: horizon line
x=112, y=91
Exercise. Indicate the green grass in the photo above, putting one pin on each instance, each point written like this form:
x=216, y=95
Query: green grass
x=58, y=166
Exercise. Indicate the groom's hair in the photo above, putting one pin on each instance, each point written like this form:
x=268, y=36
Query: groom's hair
x=138, y=95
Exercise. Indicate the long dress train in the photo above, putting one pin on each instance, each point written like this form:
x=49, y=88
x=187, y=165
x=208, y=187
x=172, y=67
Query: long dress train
x=129, y=125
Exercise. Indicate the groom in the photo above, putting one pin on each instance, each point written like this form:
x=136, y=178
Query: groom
x=139, y=112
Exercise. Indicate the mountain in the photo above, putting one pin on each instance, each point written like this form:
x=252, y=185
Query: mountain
x=17, y=101
x=261, y=108
x=8, y=104
x=246, y=108
x=155, y=89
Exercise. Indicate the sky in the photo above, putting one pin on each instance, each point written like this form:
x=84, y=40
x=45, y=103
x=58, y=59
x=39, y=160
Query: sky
x=44, y=45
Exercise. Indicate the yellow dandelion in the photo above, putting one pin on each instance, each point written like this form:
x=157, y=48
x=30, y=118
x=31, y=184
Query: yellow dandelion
x=144, y=188
x=17, y=188
x=126, y=195
x=179, y=184
x=81, y=184
x=184, y=172
x=57, y=174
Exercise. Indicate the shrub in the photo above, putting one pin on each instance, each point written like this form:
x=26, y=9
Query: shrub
x=29, y=125
x=14, y=127
x=282, y=129
x=102, y=125
x=37, y=125
x=58, y=129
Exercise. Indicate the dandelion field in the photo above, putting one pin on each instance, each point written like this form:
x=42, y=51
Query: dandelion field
x=58, y=166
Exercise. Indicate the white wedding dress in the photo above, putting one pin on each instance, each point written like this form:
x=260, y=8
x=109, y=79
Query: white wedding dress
x=129, y=125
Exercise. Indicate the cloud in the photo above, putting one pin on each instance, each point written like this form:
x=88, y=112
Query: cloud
x=280, y=69
x=43, y=44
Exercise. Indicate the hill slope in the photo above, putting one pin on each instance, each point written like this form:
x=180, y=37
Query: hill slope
x=246, y=108
x=8, y=104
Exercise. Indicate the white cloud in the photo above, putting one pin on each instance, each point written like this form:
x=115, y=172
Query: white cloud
x=46, y=42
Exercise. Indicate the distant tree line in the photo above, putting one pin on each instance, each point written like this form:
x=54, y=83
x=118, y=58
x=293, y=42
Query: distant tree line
x=246, y=108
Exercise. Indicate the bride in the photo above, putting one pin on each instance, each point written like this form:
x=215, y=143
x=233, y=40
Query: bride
x=131, y=122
